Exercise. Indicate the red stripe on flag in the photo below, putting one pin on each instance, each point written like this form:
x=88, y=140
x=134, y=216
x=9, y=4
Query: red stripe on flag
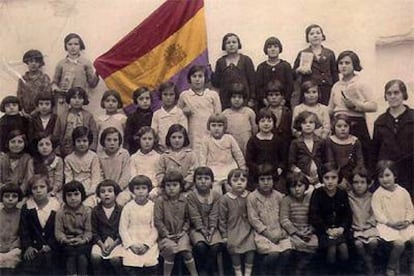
x=156, y=28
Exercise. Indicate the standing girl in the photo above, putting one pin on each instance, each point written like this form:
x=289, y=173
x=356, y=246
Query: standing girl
x=40, y=247
x=146, y=159
x=294, y=218
x=140, y=118
x=234, y=67
x=203, y=208
x=350, y=96
x=33, y=82
x=307, y=153
x=173, y=223
x=363, y=220
x=137, y=229
x=169, y=113
x=220, y=152
x=43, y=119
x=83, y=165
x=344, y=149
x=177, y=156
x=234, y=225
x=14, y=164
x=265, y=147
x=73, y=229
x=72, y=71
x=394, y=212
x=274, y=68
x=111, y=101
x=263, y=206
x=310, y=102
x=45, y=161
x=75, y=117
x=331, y=216
x=198, y=103
x=238, y=114
x=114, y=160
x=317, y=63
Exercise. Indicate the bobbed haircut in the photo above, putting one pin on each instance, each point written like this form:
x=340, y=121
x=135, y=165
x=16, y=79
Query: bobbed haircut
x=275, y=86
x=272, y=41
x=12, y=134
x=197, y=68
x=69, y=37
x=301, y=118
x=73, y=186
x=266, y=169
x=11, y=188
x=217, y=118
x=176, y=128
x=106, y=132
x=236, y=173
x=203, y=171
x=401, y=86
x=138, y=92
x=305, y=86
x=310, y=27
x=108, y=183
x=8, y=100
x=39, y=136
x=33, y=55
x=140, y=180
x=226, y=36
x=45, y=96
x=362, y=172
x=382, y=165
x=356, y=63
x=173, y=176
x=113, y=93
x=143, y=130
x=38, y=177
x=267, y=114
x=293, y=179
x=169, y=85
x=338, y=118
x=82, y=131
x=237, y=88
x=77, y=91
x=330, y=167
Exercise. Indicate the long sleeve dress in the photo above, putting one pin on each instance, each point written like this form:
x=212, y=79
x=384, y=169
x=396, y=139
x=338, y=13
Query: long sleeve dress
x=136, y=226
x=390, y=207
x=234, y=224
x=263, y=214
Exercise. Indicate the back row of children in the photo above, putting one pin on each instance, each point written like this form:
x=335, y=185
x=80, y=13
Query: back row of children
x=279, y=230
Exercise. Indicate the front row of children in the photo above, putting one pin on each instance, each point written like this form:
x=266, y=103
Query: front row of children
x=277, y=227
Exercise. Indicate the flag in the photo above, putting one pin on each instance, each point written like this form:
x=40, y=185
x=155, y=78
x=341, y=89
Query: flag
x=162, y=48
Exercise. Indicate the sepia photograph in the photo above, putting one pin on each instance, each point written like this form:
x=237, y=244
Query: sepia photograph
x=206, y=137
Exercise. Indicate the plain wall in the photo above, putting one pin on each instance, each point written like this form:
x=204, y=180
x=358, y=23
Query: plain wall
x=348, y=24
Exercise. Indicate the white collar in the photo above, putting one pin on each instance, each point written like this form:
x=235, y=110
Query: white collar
x=234, y=196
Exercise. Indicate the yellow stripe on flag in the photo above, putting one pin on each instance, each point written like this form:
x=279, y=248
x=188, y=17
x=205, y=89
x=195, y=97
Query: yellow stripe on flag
x=164, y=61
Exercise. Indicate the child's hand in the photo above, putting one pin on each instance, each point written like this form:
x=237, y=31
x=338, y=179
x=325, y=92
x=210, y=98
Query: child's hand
x=279, y=171
x=77, y=241
x=349, y=103
x=304, y=71
x=45, y=249
x=30, y=253
x=139, y=249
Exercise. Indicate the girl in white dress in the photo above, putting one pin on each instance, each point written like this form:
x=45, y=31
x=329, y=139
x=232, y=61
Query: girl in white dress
x=137, y=230
x=394, y=213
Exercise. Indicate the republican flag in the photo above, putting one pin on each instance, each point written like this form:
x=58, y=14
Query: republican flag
x=162, y=48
